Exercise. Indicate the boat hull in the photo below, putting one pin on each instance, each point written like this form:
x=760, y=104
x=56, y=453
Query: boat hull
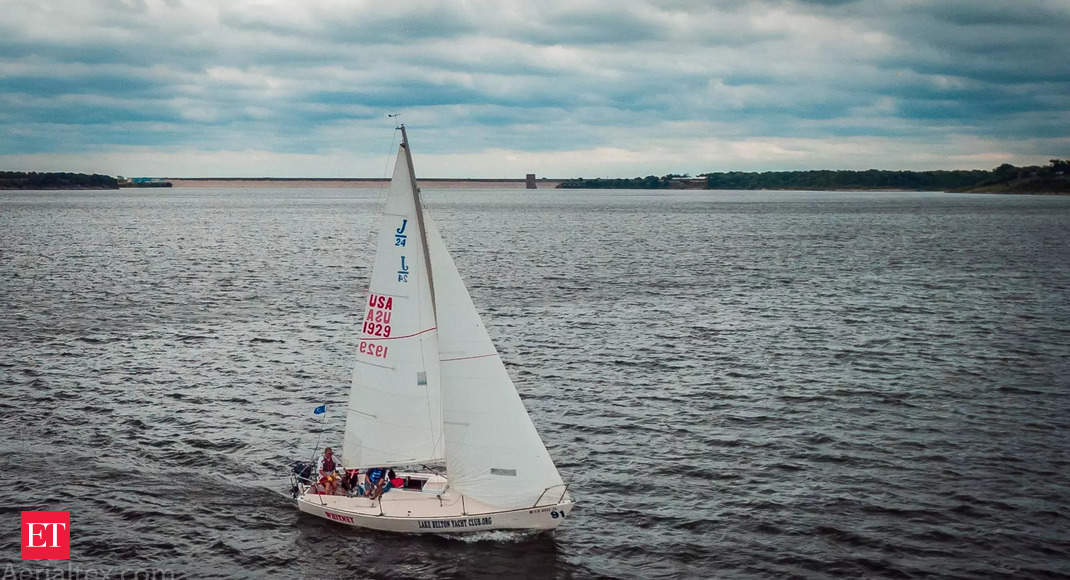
x=415, y=513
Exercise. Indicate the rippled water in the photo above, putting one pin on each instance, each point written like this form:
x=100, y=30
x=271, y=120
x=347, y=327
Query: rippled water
x=759, y=384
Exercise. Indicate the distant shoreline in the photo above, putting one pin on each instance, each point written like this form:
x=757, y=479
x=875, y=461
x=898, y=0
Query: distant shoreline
x=352, y=182
x=1053, y=179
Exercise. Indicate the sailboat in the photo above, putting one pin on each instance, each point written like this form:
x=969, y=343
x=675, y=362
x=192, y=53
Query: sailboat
x=430, y=388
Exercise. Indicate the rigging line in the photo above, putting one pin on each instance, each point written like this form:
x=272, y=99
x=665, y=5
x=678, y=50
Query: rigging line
x=436, y=379
x=431, y=422
x=381, y=199
x=467, y=357
x=421, y=226
x=315, y=450
x=383, y=191
x=430, y=410
x=421, y=210
x=390, y=152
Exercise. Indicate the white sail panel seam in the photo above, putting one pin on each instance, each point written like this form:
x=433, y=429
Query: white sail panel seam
x=371, y=364
x=425, y=331
x=398, y=297
x=467, y=357
x=359, y=412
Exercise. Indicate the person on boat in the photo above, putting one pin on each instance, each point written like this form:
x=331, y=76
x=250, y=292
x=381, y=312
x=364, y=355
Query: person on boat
x=388, y=481
x=326, y=464
x=374, y=480
x=327, y=485
x=395, y=481
x=332, y=484
x=351, y=484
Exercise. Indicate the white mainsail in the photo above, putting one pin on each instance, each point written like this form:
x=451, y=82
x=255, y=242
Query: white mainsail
x=429, y=384
x=395, y=411
x=493, y=452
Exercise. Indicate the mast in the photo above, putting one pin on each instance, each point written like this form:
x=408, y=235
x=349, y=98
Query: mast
x=419, y=218
x=394, y=415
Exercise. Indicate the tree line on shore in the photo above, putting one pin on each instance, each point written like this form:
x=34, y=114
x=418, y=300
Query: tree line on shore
x=1051, y=178
x=35, y=180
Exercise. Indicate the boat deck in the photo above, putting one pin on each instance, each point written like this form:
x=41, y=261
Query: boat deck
x=402, y=503
x=432, y=508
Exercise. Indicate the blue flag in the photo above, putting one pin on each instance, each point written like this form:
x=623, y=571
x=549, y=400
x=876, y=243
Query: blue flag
x=320, y=410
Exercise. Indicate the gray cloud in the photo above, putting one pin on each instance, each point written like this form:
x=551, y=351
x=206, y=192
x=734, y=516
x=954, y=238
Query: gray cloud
x=539, y=79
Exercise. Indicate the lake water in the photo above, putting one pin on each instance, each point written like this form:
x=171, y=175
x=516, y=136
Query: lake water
x=736, y=384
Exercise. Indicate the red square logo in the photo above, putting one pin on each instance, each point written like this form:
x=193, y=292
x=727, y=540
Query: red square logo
x=46, y=535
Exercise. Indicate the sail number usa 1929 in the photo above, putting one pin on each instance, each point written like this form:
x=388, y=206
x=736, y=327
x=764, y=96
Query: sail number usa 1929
x=377, y=324
x=380, y=329
x=376, y=350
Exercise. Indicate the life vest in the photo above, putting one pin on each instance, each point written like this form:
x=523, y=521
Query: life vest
x=328, y=464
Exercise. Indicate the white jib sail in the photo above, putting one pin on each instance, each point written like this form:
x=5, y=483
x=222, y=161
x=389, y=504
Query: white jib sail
x=395, y=409
x=493, y=452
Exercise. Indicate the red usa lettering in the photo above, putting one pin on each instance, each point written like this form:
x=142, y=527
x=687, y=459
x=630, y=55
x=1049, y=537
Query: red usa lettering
x=380, y=316
x=378, y=301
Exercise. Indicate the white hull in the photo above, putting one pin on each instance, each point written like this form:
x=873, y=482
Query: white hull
x=421, y=512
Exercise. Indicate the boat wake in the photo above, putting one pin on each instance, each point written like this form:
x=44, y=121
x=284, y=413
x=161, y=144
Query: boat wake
x=498, y=536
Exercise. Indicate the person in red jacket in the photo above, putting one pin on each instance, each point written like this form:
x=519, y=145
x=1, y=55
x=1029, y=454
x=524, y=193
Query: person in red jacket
x=395, y=481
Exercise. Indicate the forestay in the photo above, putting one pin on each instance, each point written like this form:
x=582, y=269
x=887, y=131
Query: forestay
x=394, y=415
x=493, y=452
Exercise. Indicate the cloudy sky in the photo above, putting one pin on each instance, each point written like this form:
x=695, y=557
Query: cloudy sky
x=560, y=88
